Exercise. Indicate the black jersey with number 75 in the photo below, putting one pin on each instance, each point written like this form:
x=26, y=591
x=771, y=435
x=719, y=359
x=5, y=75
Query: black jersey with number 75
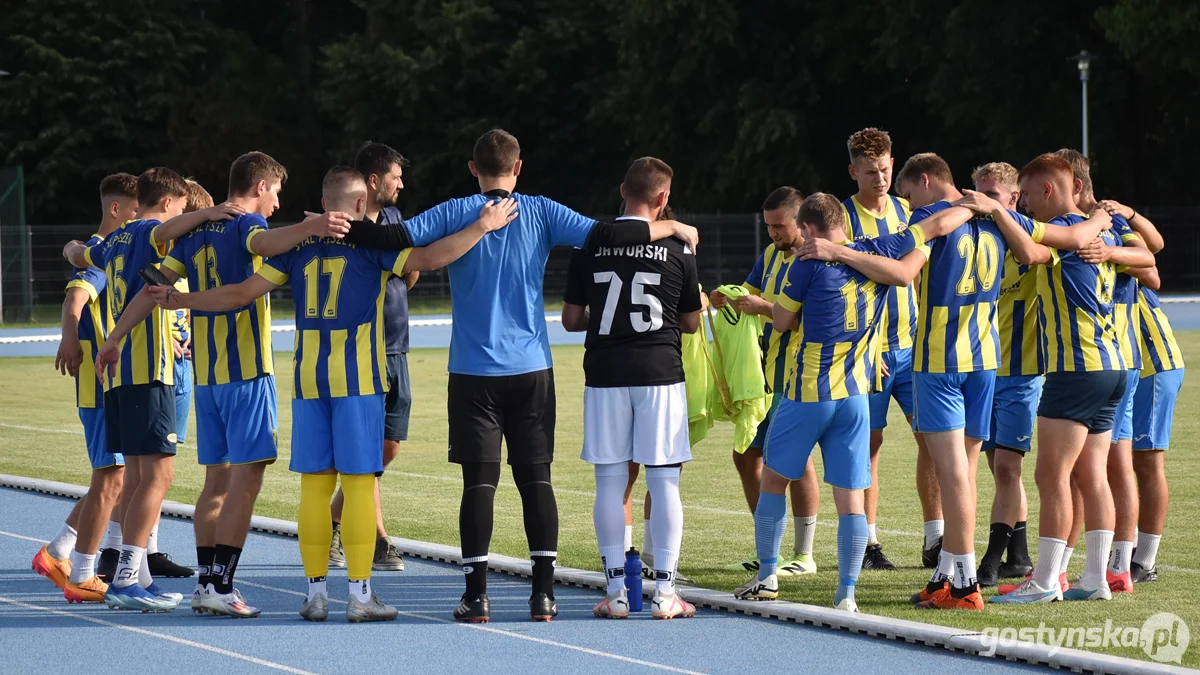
x=635, y=296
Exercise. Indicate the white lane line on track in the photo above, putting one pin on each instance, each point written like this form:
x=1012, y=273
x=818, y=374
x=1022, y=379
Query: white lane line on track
x=21, y=536
x=497, y=631
x=160, y=636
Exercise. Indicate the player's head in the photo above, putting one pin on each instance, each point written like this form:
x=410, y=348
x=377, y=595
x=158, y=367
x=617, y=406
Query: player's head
x=647, y=186
x=1047, y=187
x=118, y=197
x=344, y=189
x=924, y=179
x=497, y=155
x=197, y=197
x=998, y=180
x=1082, y=170
x=162, y=193
x=256, y=177
x=383, y=169
x=780, y=211
x=871, y=161
x=821, y=217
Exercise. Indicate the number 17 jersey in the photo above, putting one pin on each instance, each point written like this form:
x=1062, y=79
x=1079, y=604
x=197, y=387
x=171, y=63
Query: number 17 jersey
x=634, y=295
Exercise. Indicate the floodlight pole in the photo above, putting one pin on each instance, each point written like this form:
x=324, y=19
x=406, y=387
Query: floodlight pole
x=1084, y=59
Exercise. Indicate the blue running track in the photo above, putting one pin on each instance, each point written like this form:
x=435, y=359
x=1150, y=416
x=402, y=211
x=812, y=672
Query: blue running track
x=41, y=633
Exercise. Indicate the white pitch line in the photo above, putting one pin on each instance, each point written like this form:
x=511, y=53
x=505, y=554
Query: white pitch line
x=161, y=636
x=498, y=631
x=21, y=536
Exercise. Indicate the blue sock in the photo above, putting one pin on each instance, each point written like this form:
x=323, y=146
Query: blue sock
x=770, y=520
x=852, y=545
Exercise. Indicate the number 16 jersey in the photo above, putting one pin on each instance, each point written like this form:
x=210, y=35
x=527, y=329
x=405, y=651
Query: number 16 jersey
x=635, y=296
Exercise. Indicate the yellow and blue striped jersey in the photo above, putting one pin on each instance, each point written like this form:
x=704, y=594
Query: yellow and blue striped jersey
x=226, y=346
x=1126, y=318
x=766, y=280
x=899, y=321
x=1077, y=309
x=94, y=325
x=960, y=285
x=1159, y=348
x=146, y=353
x=179, y=319
x=839, y=312
x=1018, y=322
x=339, y=289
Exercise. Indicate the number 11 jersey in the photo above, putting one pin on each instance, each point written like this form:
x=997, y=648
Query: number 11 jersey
x=635, y=296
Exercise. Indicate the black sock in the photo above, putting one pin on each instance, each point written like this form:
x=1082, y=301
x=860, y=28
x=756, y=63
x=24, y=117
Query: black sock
x=224, y=567
x=475, y=519
x=998, y=540
x=541, y=522
x=204, y=561
x=1018, y=545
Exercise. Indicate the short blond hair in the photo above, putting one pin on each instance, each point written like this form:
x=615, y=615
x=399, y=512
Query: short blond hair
x=871, y=143
x=1002, y=171
x=197, y=197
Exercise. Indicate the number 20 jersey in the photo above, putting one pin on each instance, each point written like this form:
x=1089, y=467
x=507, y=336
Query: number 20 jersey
x=635, y=296
x=960, y=285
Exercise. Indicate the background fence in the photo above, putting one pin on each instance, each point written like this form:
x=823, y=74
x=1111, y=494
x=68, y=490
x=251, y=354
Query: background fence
x=729, y=244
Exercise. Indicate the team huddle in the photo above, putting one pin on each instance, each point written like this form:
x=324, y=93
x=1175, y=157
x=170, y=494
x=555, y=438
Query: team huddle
x=979, y=321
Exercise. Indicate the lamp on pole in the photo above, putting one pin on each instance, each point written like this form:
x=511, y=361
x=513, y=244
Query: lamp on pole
x=1084, y=59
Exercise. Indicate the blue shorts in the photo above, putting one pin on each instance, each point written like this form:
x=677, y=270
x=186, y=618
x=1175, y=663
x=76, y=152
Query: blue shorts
x=237, y=422
x=398, y=404
x=139, y=419
x=760, y=438
x=1123, y=423
x=97, y=443
x=950, y=401
x=183, y=397
x=841, y=428
x=1014, y=412
x=898, y=385
x=343, y=433
x=1089, y=398
x=1154, y=409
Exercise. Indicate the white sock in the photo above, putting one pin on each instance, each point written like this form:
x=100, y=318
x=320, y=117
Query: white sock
x=1099, y=544
x=61, y=545
x=112, y=536
x=316, y=588
x=361, y=589
x=152, y=541
x=1122, y=555
x=1051, y=559
x=83, y=566
x=609, y=519
x=129, y=565
x=963, y=575
x=806, y=529
x=1066, y=558
x=666, y=520
x=1147, y=549
x=933, y=530
x=945, y=567
x=144, y=578
x=628, y=537
x=647, y=540
x=871, y=538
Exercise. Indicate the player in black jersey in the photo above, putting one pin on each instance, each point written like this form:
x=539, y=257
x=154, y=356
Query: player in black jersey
x=634, y=302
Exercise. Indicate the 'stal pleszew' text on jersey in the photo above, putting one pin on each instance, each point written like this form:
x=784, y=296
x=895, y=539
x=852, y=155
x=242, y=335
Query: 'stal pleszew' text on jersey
x=226, y=346
x=338, y=288
x=635, y=296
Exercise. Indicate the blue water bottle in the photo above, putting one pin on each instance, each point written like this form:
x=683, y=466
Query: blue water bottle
x=633, y=579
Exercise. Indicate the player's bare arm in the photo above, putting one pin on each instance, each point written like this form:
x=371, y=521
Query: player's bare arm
x=689, y=322
x=945, y=221
x=70, y=352
x=575, y=318
x=784, y=318
x=1140, y=224
x=181, y=225
x=751, y=304
x=282, y=239
x=877, y=268
x=492, y=217
x=410, y=279
x=1146, y=276
x=134, y=313
x=662, y=229
x=1024, y=249
x=74, y=252
x=1079, y=235
x=1133, y=254
x=220, y=299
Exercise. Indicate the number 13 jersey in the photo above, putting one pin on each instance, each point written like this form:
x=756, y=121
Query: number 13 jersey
x=635, y=296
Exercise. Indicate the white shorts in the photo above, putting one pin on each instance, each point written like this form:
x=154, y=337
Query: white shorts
x=647, y=425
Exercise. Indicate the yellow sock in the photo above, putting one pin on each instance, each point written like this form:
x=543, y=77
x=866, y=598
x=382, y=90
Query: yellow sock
x=358, y=524
x=314, y=525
